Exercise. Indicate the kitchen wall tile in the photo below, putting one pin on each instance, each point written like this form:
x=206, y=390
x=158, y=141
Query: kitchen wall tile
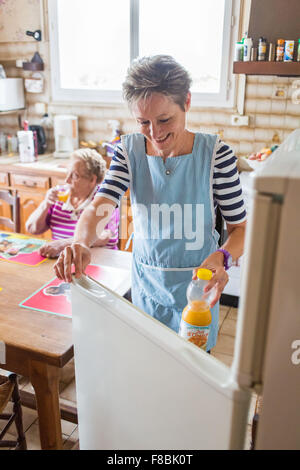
x=264, y=90
x=276, y=121
x=251, y=90
x=293, y=108
x=291, y=122
x=263, y=106
x=250, y=105
x=262, y=120
x=279, y=80
x=246, y=148
x=252, y=79
x=263, y=135
x=265, y=79
x=278, y=107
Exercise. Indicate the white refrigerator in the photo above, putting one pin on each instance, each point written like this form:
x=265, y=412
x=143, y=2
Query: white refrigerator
x=140, y=386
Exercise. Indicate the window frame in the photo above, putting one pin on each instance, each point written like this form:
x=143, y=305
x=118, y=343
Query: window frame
x=224, y=99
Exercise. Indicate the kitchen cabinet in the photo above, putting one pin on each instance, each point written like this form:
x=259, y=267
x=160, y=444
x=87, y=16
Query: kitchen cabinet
x=5, y=210
x=29, y=202
x=32, y=190
x=31, y=184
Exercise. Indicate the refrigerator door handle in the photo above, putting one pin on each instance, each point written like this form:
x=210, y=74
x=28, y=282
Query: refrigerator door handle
x=256, y=290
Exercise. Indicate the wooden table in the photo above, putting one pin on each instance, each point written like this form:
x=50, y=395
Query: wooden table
x=38, y=344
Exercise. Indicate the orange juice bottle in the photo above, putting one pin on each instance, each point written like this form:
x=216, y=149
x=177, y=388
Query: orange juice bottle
x=196, y=316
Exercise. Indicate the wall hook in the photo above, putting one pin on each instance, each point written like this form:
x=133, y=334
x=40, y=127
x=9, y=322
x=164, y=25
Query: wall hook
x=37, y=35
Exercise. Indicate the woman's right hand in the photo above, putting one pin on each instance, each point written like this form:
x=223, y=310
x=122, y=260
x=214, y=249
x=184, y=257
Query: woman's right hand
x=51, y=196
x=77, y=254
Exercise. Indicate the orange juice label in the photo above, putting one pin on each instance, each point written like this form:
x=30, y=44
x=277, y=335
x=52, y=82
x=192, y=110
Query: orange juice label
x=197, y=335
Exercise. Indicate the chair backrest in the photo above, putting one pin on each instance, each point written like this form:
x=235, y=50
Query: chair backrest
x=14, y=202
x=6, y=389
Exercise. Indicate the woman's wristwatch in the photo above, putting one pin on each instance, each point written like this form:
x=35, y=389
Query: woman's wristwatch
x=228, y=262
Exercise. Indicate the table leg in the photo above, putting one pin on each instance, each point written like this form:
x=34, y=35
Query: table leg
x=45, y=381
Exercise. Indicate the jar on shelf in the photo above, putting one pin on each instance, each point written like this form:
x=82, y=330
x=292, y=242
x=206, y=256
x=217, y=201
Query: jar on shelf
x=262, y=48
x=280, y=50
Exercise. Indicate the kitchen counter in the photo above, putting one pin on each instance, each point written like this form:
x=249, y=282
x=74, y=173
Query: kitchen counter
x=46, y=165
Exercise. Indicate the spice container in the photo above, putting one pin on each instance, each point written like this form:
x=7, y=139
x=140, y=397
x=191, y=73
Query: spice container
x=254, y=54
x=288, y=51
x=298, y=51
x=262, y=49
x=271, y=56
x=280, y=50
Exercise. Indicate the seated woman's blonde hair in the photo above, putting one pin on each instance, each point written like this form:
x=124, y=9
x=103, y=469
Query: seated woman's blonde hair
x=94, y=162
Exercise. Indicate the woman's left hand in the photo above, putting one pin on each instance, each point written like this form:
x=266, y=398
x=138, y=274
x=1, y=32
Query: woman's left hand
x=52, y=249
x=214, y=262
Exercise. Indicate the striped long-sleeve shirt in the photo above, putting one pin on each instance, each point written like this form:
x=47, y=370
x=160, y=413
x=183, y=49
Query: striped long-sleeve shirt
x=227, y=191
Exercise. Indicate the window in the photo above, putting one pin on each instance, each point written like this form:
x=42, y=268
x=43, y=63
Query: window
x=92, y=43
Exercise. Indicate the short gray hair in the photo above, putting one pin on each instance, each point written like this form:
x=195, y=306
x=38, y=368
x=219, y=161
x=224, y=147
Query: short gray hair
x=157, y=74
x=94, y=162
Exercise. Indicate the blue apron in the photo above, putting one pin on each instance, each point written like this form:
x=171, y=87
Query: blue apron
x=174, y=226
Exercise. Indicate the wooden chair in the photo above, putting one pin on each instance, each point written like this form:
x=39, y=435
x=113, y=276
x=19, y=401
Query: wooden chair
x=255, y=420
x=9, y=390
x=14, y=202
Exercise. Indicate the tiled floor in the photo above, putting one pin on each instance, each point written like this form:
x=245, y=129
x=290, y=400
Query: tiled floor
x=223, y=351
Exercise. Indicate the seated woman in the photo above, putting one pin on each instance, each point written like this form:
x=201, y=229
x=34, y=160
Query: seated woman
x=86, y=171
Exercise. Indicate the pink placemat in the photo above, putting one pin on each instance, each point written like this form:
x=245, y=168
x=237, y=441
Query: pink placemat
x=55, y=296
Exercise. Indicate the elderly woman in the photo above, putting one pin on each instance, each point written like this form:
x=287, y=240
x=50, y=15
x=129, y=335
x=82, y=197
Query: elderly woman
x=176, y=176
x=62, y=207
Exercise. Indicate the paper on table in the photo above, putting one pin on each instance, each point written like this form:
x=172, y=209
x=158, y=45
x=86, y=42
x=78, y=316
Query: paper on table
x=17, y=248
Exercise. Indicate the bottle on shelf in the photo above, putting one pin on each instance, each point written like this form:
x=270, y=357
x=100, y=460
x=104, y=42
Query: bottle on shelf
x=262, y=49
x=280, y=50
x=248, y=43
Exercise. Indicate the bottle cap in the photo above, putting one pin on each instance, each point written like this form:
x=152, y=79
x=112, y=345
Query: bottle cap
x=204, y=274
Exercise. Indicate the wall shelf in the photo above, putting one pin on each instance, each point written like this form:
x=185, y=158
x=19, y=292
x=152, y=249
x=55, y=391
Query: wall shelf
x=285, y=69
x=13, y=111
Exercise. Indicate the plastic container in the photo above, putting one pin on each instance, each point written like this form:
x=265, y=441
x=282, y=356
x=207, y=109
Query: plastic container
x=298, y=51
x=248, y=43
x=288, y=51
x=239, y=51
x=196, y=316
x=26, y=146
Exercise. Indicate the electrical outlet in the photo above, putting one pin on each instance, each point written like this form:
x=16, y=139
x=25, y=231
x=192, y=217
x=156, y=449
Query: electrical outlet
x=279, y=92
x=237, y=120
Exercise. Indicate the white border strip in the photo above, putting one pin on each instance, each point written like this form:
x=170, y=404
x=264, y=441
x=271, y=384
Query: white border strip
x=2, y=352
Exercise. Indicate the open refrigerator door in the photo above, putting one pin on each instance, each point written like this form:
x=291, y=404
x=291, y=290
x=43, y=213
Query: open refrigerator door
x=141, y=386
